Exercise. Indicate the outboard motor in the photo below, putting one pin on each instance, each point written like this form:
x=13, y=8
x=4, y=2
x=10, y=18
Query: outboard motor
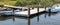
x=49, y=12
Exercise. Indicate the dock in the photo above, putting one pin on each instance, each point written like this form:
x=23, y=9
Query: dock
x=32, y=11
x=16, y=7
x=26, y=13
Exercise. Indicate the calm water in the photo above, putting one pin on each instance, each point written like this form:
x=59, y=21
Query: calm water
x=42, y=19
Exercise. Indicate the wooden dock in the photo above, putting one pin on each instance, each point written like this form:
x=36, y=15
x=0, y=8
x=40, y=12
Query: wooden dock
x=26, y=13
x=33, y=11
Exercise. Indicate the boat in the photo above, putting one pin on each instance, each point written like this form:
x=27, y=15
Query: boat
x=8, y=11
x=53, y=9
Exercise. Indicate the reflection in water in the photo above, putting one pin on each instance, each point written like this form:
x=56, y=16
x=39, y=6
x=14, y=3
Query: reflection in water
x=3, y=18
x=45, y=15
x=13, y=16
x=49, y=14
x=28, y=20
x=52, y=13
x=38, y=18
x=13, y=19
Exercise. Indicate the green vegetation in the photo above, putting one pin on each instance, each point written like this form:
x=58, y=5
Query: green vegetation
x=27, y=3
x=34, y=3
x=7, y=2
x=1, y=5
x=30, y=3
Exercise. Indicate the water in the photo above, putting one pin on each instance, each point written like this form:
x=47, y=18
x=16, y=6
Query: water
x=42, y=19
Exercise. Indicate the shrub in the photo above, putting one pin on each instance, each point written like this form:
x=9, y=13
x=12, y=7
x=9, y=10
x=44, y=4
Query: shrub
x=1, y=5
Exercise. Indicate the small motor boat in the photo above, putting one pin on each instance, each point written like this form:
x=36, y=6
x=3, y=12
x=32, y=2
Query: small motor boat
x=6, y=12
x=9, y=11
x=52, y=9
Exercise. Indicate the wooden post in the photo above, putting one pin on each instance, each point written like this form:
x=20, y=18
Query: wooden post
x=38, y=14
x=45, y=12
x=28, y=12
x=28, y=16
x=13, y=15
x=38, y=9
x=45, y=8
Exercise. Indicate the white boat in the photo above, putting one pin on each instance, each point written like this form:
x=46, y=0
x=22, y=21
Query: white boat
x=8, y=12
x=53, y=9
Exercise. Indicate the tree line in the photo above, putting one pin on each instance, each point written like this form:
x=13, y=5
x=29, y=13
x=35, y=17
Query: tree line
x=43, y=3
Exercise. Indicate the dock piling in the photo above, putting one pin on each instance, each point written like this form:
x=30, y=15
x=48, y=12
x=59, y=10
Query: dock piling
x=28, y=16
x=38, y=9
x=38, y=13
x=28, y=12
x=13, y=15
